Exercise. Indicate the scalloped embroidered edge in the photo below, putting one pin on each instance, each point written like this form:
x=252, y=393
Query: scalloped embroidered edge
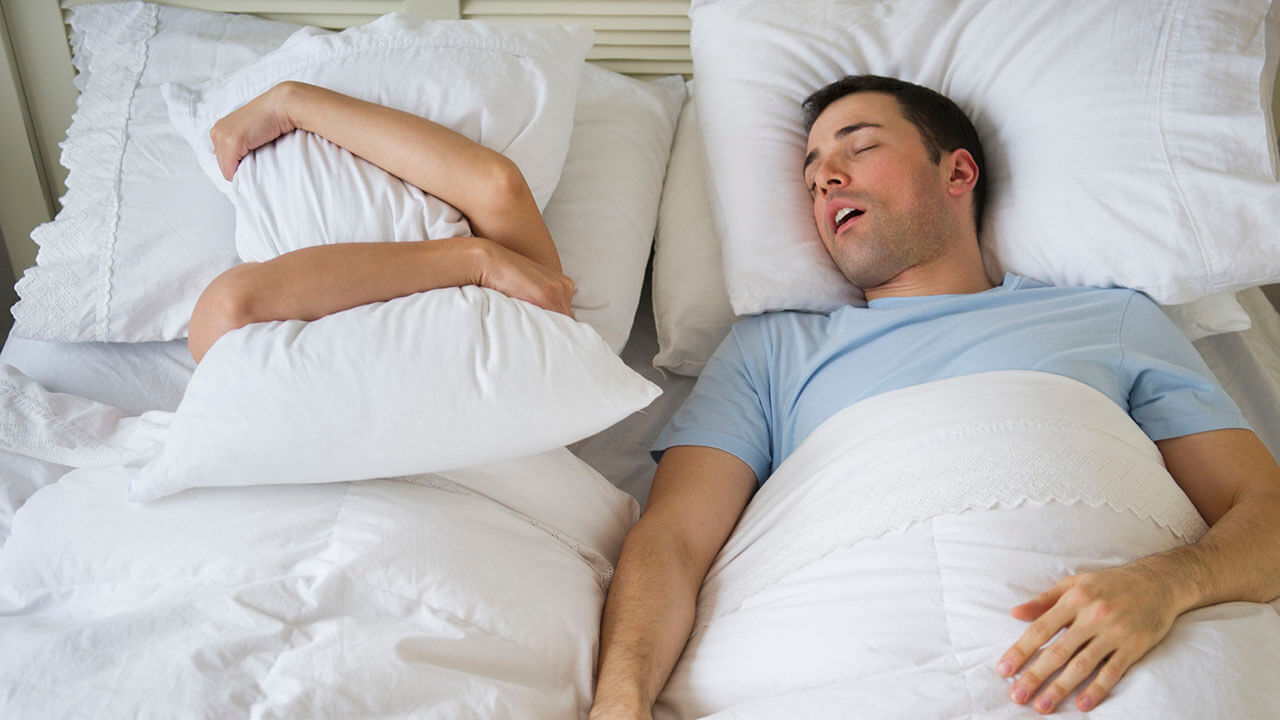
x=93, y=153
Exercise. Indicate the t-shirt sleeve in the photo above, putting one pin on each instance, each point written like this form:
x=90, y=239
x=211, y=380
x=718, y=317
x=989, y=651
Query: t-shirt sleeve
x=726, y=409
x=1172, y=391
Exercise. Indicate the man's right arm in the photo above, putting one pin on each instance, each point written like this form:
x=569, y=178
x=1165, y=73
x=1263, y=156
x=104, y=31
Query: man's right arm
x=697, y=496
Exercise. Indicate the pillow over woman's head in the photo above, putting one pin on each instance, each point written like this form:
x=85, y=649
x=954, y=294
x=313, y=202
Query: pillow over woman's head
x=1126, y=143
x=302, y=190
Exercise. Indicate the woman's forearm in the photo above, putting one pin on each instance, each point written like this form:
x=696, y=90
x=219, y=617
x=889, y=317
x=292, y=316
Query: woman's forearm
x=317, y=281
x=482, y=184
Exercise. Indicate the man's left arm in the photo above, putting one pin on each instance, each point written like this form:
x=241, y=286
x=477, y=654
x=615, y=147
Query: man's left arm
x=1115, y=616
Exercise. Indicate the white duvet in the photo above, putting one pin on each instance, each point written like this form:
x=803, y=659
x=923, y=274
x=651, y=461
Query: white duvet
x=873, y=574
x=468, y=594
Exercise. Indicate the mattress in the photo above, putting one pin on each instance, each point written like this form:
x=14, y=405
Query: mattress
x=136, y=377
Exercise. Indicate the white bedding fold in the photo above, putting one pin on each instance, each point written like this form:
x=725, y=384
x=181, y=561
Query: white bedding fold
x=472, y=593
x=966, y=443
x=70, y=430
x=875, y=571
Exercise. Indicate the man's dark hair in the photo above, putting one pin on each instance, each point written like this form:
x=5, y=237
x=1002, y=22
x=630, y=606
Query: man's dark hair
x=942, y=124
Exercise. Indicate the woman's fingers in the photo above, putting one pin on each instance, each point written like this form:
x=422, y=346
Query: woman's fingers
x=253, y=125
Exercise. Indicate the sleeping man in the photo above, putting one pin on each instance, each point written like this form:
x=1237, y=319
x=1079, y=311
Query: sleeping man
x=895, y=173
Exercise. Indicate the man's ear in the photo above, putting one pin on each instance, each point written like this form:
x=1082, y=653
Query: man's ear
x=962, y=172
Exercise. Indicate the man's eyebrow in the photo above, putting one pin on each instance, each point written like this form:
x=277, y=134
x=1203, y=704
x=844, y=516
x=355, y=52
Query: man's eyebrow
x=841, y=133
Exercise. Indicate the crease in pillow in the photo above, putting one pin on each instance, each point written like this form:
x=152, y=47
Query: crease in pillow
x=62, y=297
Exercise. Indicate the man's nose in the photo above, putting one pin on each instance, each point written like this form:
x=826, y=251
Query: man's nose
x=831, y=177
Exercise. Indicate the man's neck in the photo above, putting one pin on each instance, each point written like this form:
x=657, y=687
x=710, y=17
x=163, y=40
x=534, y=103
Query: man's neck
x=943, y=276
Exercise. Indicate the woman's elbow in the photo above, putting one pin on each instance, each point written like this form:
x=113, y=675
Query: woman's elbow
x=505, y=185
x=225, y=305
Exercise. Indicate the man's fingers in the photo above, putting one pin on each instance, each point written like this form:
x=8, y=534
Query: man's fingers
x=1036, y=635
x=1077, y=670
x=1050, y=660
x=1108, y=676
x=1038, y=605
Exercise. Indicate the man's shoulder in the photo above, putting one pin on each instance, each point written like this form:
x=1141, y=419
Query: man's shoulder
x=1029, y=288
x=780, y=323
x=763, y=341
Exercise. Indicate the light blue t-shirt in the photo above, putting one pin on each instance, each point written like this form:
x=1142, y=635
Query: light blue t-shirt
x=778, y=376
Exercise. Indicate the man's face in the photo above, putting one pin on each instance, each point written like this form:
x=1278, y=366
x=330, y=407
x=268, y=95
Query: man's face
x=878, y=200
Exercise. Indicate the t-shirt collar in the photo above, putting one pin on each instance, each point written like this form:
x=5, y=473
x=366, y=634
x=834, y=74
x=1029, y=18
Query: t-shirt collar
x=1011, y=282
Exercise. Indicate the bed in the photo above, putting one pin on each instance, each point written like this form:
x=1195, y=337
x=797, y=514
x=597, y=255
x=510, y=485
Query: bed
x=436, y=587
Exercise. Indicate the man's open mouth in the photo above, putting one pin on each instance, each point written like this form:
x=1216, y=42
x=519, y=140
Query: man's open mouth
x=846, y=215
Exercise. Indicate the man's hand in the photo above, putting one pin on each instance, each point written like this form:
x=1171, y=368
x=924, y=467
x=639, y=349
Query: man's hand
x=255, y=124
x=515, y=275
x=1111, y=618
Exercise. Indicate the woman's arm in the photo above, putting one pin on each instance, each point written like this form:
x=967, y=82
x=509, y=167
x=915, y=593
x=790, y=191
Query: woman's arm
x=482, y=184
x=317, y=281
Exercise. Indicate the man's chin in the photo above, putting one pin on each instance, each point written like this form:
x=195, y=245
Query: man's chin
x=866, y=275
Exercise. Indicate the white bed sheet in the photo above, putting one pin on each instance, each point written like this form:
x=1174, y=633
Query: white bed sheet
x=136, y=377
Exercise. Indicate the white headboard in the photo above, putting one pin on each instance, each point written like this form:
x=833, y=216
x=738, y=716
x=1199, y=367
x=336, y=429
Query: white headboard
x=643, y=38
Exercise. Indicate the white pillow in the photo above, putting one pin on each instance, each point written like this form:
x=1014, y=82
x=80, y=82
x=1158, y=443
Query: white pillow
x=604, y=211
x=140, y=233
x=1210, y=315
x=302, y=190
x=691, y=309
x=426, y=383
x=1126, y=143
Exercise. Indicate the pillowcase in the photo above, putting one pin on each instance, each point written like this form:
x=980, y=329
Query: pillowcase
x=140, y=233
x=303, y=190
x=426, y=383
x=1126, y=142
x=691, y=309
x=603, y=214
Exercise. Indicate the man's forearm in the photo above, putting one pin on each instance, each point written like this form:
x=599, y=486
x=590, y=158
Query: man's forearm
x=647, y=619
x=1237, y=560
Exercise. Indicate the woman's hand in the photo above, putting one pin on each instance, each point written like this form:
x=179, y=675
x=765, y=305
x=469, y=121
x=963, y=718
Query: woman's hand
x=515, y=275
x=1111, y=619
x=255, y=124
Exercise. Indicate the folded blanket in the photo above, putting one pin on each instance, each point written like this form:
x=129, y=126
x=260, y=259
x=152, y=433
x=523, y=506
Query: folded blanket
x=873, y=574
